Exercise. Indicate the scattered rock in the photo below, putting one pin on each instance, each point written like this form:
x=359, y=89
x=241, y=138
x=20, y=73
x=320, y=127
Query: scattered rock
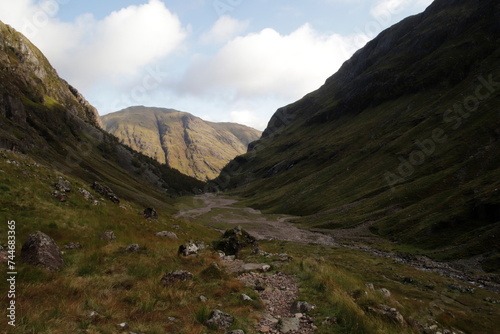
x=389, y=313
x=108, y=236
x=236, y=331
x=73, y=245
x=166, y=234
x=203, y=299
x=385, y=292
x=133, y=248
x=88, y=196
x=150, y=213
x=189, y=248
x=491, y=300
x=106, y=191
x=64, y=186
x=61, y=196
x=246, y=298
x=461, y=288
x=219, y=320
x=233, y=241
x=176, y=276
x=41, y=250
x=370, y=286
x=254, y=267
x=302, y=307
x=94, y=316
x=286, y=325
x=329, y=321
x=123, y=325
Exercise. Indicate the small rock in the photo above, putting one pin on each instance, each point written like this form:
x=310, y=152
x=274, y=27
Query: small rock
x=246, y=297
x=62, y=185
x=150, y=213
x=108, y=236
x=329, y=321
x=133, y=248
x=73, y=245
x=237, y=331
x=86, y=194
x=203, y=299
x=171, y=319
x=264, y=329
x=385, y=292
x=123, y=325
x=389, y=313
x=302, y=307
x=41, y=250
x=258, y=267
x=94, y=316
x=289, y=324
x=176, y=276
x=370, y=286
x=219, y=319
x=166, y=234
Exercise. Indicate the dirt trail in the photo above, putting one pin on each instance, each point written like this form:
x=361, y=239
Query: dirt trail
x=277, y=227
x=261, y=226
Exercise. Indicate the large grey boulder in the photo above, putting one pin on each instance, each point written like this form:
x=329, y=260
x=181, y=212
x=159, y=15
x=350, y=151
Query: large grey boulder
x=41, y=250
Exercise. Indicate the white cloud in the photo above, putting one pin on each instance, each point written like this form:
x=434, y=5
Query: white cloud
x=87, y=50
x=270, y=64
x=248, y=118
x=224, y=29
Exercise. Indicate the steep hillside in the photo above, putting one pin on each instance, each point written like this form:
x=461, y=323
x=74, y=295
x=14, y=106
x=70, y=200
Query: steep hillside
x=403, y=138
x=191, y=145
x=46, y=118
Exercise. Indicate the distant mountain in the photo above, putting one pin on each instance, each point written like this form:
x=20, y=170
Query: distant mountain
x=43, y=116
x=187, y=143
x=404, y=138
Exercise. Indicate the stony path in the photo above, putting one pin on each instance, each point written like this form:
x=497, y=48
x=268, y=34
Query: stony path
x=278, y=292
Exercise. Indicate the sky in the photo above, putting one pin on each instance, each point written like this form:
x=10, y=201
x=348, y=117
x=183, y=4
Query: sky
x=221, y=60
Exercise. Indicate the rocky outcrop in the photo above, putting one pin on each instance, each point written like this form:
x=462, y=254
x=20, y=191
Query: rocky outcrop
x=187, y=143
x=41, y=250
x=24, y=64
x=234, y=240
x=106, y=192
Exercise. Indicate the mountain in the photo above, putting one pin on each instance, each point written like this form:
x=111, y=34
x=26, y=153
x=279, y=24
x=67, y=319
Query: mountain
x=187, y=143
x=46, y=118
x=404, y=138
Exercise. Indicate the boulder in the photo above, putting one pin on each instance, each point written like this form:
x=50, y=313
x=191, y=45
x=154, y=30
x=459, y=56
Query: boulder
x=106, y=192
x=150, y=213
x=176, y=276
x=189, y=248
x=219, y=320
x=233, y=241
x=62, y=185
x=86, y=194
x=254, y=267
x=166, y=234
x=41, y=250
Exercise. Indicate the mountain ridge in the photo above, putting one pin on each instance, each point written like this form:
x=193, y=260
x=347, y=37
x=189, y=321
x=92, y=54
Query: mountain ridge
x=331, y=156
x=187, y=143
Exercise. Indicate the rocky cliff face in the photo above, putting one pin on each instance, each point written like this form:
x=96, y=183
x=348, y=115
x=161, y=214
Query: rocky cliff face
x=187, y=143
x=46, y=118
x=25, y=67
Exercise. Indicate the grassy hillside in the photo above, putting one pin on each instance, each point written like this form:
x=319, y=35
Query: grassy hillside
x=404, y=137
x=187, y=143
